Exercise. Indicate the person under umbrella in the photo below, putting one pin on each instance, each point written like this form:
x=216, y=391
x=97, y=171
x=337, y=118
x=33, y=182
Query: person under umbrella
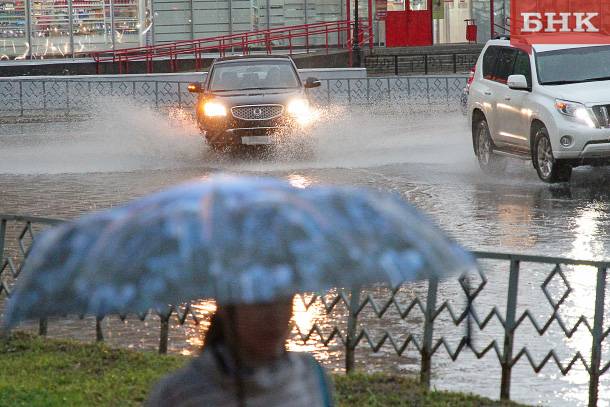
x=244, y=362
x=249, y=243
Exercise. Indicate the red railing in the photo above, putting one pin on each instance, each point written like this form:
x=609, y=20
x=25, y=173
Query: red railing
x=281, y=38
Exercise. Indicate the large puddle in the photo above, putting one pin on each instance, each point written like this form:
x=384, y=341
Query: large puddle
x=62, y=169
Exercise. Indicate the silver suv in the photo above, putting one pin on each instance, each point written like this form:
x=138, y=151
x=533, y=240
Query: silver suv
x=550, y=106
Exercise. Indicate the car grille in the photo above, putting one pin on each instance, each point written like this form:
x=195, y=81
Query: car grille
x=602, y=114
x=257, y=112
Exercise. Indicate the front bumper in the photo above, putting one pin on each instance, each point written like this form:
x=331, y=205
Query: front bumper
x=235, y=131
x=588, y=143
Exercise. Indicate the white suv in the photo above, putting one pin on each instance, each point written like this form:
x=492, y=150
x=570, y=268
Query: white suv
x=551, y=106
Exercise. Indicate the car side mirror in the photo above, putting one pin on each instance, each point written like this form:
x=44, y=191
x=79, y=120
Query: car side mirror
x=312, y=83
x=517, y=82
x=195, y=88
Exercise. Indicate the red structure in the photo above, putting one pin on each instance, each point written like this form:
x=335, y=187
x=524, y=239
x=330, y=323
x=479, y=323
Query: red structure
x=335, y=34
x=409, y=27
x=471, y=31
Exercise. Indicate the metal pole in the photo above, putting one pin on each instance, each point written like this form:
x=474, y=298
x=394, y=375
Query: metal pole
x=492, y=21
x=28, y=27
x=370, y=16
x=71, y=27
x=509, y=329
x=356, y=37
x=426, y=351
x=112, y=24
x=352, y=322
x=231, y=18
x=192, y=21
x=596, y=348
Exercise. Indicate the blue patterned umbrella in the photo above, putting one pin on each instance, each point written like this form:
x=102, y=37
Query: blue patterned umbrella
x=234, y=239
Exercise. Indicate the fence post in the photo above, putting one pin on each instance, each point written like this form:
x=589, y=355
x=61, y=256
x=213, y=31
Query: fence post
x=352, y=324
x=425, y=64
x=596, y=348
x=349, y=92
x=99, y=334
x=2, y=237
x=509, y=327
x=157, y=94
x=426, y=350
x=163, y=338
x=44, y=97
x=68, y=96
x=21, y=97
x=179, y=95
x=42, y=327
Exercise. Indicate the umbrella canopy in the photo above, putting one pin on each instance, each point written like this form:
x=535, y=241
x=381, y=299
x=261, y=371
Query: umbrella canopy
x=234, y=239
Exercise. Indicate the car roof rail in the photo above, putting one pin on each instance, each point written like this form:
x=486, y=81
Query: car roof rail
x=502, y=37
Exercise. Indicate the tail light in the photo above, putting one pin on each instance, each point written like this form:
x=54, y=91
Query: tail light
x=471, y=76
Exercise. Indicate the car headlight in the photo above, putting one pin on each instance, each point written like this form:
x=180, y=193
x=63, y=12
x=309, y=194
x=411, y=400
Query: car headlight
x=299, y=109
x=214, y=109
x=576, y=110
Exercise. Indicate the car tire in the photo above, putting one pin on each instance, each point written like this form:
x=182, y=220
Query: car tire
x=548, y=168
x=489, y=162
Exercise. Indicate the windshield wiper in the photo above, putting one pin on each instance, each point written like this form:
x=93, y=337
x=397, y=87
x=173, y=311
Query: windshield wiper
x=567, y=82
x=559, y=82
x=601, y=78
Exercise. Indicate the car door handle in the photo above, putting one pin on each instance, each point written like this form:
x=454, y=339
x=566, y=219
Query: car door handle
x=507, y=98
x=488, y=93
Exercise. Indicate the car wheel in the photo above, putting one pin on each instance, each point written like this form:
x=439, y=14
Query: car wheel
x=488, y=161
x=549, y=169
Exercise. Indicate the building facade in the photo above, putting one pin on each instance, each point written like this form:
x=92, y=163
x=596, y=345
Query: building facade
x=43, y=29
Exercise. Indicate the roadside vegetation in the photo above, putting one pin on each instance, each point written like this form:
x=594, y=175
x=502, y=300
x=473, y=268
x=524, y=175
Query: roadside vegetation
x=36, y=371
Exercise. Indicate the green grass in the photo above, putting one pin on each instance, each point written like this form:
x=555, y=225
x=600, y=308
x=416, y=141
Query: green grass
x=36, y=371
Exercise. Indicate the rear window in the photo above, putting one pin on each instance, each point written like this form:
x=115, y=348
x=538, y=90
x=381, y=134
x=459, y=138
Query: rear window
x=489, y=62
x=504, y=66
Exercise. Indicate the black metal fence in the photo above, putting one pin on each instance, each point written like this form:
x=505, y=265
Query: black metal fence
x=413, y=64
x=499, y=311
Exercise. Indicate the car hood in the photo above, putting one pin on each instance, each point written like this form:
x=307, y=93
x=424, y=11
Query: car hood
x=255, y=97
x=586, y=92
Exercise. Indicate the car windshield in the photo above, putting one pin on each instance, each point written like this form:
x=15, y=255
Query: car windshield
x=573, y=65
x=253, y=75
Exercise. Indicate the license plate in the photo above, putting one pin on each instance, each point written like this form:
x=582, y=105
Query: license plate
x=256, y=140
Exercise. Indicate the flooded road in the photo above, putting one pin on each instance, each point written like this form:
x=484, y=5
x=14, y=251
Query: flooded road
x=65, y=169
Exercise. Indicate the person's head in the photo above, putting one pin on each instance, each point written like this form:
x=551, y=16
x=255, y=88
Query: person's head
x=255, y=333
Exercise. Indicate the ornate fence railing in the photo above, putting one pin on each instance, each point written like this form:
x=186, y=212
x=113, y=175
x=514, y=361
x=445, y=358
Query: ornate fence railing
x=63, y=96
x=541, y=311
